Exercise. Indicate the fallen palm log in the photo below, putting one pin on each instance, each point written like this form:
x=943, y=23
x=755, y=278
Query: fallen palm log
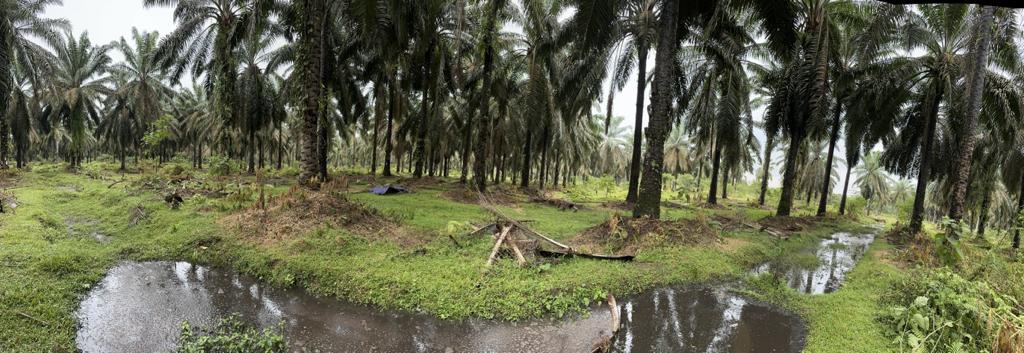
x=506, y=223
x=765, y=229
x=497, y=245
x=549, y=253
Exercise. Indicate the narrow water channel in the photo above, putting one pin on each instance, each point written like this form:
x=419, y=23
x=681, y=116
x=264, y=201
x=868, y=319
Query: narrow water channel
x=139, y=307
x=836, y=256
x=705, y=320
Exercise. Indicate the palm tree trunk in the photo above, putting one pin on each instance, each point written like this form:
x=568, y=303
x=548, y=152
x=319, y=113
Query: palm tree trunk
x=725, y=183
x=5, y=130
x=638, y=123
x=388, y=133
x=323, y=143
x=421, y=135
x=543, y=158
x=480, y=161
x=378, y=112
x=700, y=174
x=976, y=84
x=251, y=151
x=467, y=141
x=715, y=165
x=826, y=188
x=769, y=146
x=309, y=70
x=1020, y=208
x=6, y=81
x=924, y=174
x=524, y=177
x=611, y=102
x=280, y=146
x=986, y=202
x=846, y=187
x=789, y=176
x=649, y=192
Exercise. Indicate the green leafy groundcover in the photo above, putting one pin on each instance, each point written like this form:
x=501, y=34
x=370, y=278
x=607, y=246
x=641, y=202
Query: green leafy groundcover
x=230, y=335
x=943, y=312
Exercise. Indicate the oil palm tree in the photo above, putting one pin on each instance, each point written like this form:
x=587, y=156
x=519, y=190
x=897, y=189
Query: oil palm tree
x=24, y=33
x=872, y=180
x=139, y=92
x=864, y=40
x=205, y=40
x=22, y=113
x=496, y=12
x=718, y=111
x=978, y=60
x=635, y=32
x=777, y=21
x=261, y=104
x=79, y=83
x=801, y=104
x=943, y=33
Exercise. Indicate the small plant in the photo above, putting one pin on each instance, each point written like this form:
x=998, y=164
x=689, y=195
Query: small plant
x=230, y=335
x=947, y=244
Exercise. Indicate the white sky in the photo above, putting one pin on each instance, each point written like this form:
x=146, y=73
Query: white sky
x=109, y=20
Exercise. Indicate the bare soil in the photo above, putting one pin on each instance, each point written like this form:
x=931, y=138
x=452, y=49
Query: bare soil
x=788, y=224
x=626, y=236
x=299, y=211
x=499, y=195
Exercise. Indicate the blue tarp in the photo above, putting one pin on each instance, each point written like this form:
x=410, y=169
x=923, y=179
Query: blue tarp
x=388, y=189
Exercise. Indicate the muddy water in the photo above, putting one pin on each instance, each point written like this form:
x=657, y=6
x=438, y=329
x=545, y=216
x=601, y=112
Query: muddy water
x=704, y=320
x=139, y=307
x=836, y=255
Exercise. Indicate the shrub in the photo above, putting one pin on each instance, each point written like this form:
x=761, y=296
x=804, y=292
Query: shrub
x=221, y=166
x=230, y=335
x=942, y=312
x=172, y=170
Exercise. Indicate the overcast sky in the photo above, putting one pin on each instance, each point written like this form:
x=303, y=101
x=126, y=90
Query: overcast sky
x=109, y=20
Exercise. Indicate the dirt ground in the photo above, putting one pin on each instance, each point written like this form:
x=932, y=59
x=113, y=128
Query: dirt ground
x=299, y=211
x=625, y=236
x=500, y=195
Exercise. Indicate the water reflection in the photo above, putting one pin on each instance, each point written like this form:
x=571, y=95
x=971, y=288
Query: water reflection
x=139, y=307
x=836, y=257
x=704, y=320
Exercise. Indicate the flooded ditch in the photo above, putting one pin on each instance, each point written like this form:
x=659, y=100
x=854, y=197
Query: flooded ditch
x=139, y=307
x=823, y=268
x=711, y=320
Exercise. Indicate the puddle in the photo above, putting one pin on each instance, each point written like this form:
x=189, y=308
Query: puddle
x=836, y=256
x=704, y=320
x=139, y=307
x=80, y=227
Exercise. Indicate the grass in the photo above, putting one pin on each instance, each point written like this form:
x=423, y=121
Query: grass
x=48, y=265
x=845, y=320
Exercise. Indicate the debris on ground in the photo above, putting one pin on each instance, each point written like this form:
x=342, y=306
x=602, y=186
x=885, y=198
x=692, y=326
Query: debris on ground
x=299, y=211
x=498, y=195
x=618, y=205
x=388, y=189
x=518, y=240
x=174, y=200
x=784, y=225
x=627, y=235
x=562, y=205
x=137, y=215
